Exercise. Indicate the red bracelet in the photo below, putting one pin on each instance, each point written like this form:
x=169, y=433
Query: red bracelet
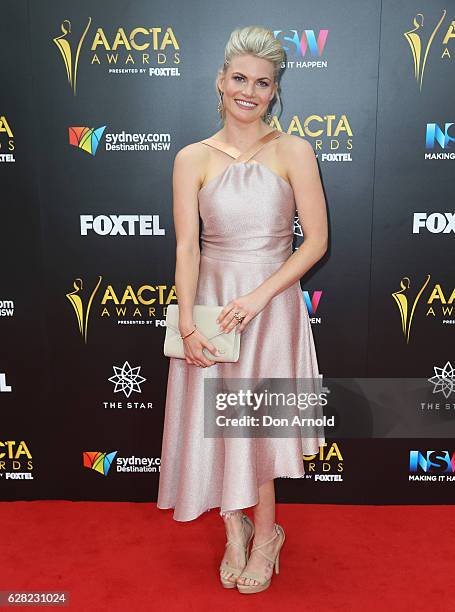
x=191, y=332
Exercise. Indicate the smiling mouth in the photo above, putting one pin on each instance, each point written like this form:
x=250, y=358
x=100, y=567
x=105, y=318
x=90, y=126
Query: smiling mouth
x=245, y=103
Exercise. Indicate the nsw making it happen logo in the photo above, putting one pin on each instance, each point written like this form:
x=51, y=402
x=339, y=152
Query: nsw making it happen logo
x=439, y=142
x=435, y=134
x=433, y=465
x=298, y=44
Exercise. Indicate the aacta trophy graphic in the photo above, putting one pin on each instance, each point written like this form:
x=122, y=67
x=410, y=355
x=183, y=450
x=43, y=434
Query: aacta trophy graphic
x=415, y=43
x=65, y=49
x=82, y=312
x=403, y=304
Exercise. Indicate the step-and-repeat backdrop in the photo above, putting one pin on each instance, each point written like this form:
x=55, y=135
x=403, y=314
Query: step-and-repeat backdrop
x=96, y=99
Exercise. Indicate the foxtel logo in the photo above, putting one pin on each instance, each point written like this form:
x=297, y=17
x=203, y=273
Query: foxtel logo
x=3, y=386
x=122, y=225
x=435, y=223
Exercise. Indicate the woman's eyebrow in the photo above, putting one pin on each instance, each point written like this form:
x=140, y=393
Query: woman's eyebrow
x=259, y=78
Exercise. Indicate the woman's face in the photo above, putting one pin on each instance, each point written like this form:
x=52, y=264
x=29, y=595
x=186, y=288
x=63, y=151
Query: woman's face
x=249, y=79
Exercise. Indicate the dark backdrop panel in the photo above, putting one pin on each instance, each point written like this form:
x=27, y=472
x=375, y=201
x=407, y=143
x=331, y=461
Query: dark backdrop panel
x=27, y=415
x=89, y=300
x=408, y=183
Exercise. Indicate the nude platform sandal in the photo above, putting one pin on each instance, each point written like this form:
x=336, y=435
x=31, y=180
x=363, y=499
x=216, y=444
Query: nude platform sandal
x=235, y=571
x=263, y=584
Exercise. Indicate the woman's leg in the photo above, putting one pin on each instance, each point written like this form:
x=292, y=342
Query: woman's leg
x=264, y=523
x=234, y=555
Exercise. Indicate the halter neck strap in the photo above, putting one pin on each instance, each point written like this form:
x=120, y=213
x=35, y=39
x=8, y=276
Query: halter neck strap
x=235, y=153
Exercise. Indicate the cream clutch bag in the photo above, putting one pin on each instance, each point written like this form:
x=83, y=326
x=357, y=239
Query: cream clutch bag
x=204, y=318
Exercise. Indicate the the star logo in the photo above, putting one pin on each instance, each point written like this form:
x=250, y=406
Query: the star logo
x=127, y=379
x=443, y=380
x=297, y=227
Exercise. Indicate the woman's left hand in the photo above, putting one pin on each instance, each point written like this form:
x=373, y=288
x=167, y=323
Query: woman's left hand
x=247, y=306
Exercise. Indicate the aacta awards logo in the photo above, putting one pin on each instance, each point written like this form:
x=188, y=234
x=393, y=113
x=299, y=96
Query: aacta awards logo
x=331, y=134
x=418, y=48
x=6, y=143
x=439, y=304
x=70, y=56
x=81, y=310
x=124, y=51
x=15, y=460
x=326, y=466
x=144, y=305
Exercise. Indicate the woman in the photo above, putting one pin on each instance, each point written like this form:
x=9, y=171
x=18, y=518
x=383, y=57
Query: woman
x=245, y=182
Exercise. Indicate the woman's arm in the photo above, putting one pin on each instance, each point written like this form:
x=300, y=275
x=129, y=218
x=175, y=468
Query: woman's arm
x=185, y=186
x=302, y=169
x=299, y=159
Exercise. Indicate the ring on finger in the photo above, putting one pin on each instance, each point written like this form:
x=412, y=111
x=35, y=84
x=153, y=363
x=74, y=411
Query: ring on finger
x=238, y=317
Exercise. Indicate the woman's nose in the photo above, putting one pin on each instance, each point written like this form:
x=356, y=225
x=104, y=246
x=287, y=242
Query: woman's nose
x=249, y=90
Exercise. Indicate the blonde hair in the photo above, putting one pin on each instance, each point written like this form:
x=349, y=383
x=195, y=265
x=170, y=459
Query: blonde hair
x=252, y=40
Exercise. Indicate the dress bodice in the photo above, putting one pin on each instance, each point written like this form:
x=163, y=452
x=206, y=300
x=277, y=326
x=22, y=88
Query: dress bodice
x=247, y=210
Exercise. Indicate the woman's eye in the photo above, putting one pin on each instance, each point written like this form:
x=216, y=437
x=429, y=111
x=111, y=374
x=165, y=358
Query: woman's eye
x=262, y=83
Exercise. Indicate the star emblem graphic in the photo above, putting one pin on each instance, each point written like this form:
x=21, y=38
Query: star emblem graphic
x=127, y=379
x=443, y=380
x=297, y=227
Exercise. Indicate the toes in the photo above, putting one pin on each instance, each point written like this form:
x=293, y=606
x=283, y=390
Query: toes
x=227, y=575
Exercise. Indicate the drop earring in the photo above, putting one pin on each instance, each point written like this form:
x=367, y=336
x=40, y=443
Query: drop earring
x=220, y=102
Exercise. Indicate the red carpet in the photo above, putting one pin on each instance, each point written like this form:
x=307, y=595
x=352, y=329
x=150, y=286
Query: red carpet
x=131, y=556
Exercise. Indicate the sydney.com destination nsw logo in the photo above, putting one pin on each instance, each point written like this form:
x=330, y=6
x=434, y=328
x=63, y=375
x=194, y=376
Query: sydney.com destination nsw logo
x=101, y=462
x=88, y=139
x=122, y=51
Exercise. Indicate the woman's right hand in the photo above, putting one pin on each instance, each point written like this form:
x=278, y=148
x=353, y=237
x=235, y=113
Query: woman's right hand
x=193, y=345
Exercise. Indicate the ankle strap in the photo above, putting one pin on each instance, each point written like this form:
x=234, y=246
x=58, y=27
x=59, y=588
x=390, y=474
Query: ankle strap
x=245, y=519
x=257, y=547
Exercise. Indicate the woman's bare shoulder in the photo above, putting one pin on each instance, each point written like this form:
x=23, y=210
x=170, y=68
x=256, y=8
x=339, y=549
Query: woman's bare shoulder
x=191, y=161
x=294, y=144
x=193, y=155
